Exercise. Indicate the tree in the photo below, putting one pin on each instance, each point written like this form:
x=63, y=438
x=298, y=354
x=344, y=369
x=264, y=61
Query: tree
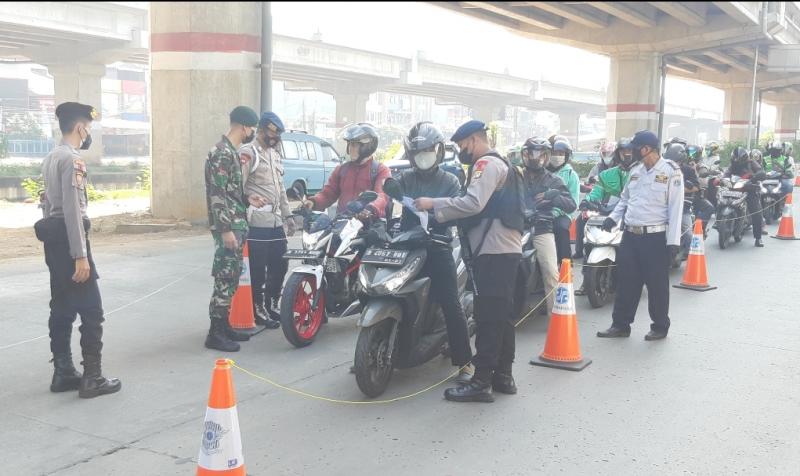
x=22, y=126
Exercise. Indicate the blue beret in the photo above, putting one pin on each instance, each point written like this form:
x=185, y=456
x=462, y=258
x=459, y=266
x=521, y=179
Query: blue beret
x=244, y=115
x=467, y=129
x=270, y=117
x=645, y=138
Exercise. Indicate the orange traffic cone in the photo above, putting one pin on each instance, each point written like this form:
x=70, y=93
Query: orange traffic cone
x=221, y=447
x=696, y=277
x=786, y=227
x=562, y=350
x=241, y=316
x=573, y=232
x=797, y=181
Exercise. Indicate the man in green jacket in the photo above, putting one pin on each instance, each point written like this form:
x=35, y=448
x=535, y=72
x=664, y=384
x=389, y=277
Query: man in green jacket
x=559, y=165
x=778, y=159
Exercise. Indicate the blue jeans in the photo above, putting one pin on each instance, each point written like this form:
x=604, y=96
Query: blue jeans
x=787, y=185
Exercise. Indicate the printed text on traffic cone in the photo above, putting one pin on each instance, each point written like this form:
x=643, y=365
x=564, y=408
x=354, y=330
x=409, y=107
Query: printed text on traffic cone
x=562, y=350
x=696, y=275
x=221, y=446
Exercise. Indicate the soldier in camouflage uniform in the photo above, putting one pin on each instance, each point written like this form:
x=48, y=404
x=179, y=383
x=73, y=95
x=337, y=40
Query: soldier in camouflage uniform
x=227, y=217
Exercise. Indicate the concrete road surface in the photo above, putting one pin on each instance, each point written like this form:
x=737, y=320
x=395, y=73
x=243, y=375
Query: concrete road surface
x=721, y=395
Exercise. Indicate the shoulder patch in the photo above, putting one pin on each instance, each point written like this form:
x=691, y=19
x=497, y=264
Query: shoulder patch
x=478, y=168
x=244, y=157
x=80, y=171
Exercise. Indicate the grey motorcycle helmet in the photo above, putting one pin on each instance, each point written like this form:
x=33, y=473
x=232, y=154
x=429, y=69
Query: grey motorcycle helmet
x=365, y=135
x=424, y=137
x=676, y=152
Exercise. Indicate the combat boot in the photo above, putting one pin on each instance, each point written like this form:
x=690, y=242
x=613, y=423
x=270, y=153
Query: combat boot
x=217, y=339
x=479, y=389
x=275, y=310
x=234, y=334
x=503, y=382
x=65, y=377
x=93, y=384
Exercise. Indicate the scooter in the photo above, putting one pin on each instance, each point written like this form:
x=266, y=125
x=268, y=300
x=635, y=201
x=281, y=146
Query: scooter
x=732, y=217
x=772, y=199
x=325, y=285
x=600, y=277
x=401, y=326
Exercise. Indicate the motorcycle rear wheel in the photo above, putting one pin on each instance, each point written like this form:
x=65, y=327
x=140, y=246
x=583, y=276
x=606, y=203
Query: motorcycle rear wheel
x=372, y=368
x=597, y=285
x=723, y=232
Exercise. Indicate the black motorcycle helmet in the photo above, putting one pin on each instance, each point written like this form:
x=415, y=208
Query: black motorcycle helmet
x=740, y=155
x=424, y=137
x=676, y=152
x=533, y=149
x=624, y=153
x=774, y=149
x=675, y=140
x=365, y=135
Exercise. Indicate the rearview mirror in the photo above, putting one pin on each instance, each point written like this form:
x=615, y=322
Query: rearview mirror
x=393, y=189
x=294, y=193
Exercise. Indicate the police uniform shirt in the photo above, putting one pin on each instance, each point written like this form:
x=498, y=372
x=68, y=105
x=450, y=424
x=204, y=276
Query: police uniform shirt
x=64, y=175
x=488, y=176
x=262, y=174
x=653, y=197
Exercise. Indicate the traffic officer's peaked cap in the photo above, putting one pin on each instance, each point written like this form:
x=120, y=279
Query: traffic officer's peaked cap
x=467, y=129
x=645, y=137
x=245, y=116
x=271, y=121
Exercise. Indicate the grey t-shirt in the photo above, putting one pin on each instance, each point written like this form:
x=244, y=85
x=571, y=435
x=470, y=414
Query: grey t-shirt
x=65, y=196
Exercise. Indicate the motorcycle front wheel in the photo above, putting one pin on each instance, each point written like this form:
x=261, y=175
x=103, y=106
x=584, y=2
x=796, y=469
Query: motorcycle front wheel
x=597, y=284
x=372, y=364
x=301, y=323
x=723, y=231
x=769, y=215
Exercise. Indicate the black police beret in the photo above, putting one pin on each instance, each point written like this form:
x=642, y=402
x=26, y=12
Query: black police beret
x=245, y=116
x=467, y=129
x=69, y=111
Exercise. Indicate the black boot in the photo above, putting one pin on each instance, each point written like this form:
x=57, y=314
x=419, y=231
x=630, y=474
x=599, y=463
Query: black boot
x=93, y=384
x=503, y=382
x=477, y=390
x=264, y=319
x=234, y=334
x=274, y=310
x=217, y=339
x=65, y=377
x=759, y=243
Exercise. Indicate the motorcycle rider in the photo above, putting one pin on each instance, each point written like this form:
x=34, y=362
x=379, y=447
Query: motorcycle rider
x=609, y=186
x=705, y=167
x=676, y=152
x=560, y=166
x=425, y=149
x=544, y=192
x=607, y=156
x=743, y=166
x=361, y=173
x=712, y=152
x=778, y=160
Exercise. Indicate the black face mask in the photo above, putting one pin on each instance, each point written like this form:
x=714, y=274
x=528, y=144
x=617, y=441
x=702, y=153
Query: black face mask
x=86, y=142
x=775, y=154
x=637, y=154
x=249, y=138
x=273, y=143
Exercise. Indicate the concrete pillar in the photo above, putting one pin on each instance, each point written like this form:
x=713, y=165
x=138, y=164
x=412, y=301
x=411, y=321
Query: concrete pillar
x=350, y=107
x=634, y=93
x=81, y=83
x=735, y=114
x=485, y=111
x=204, y=62
x=568, y=126
x=787, y=120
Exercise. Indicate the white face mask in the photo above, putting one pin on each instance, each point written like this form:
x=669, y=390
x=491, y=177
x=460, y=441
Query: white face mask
x=557, y=160
x=425, y=160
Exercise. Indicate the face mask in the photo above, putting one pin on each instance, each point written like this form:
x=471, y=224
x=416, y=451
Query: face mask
x=637, y=154
x=557, y=160
x=425, y=160
x=465, y=157
x=249, y=138
x=775, y=154
x=273, y=142
x=86, y=142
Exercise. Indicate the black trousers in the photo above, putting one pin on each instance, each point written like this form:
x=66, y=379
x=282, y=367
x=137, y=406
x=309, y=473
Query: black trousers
x=68, y=299
x=756, y=216
x=267, y=265
x=580, y=224
x=642, y=260
x=494, y=340
x=441, y=268
x=561, y=232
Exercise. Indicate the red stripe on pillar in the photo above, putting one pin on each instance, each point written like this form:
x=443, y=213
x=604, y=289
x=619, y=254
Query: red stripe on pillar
x=204, y=42
x=631, y=108
x=735, y=122
x=785, y=131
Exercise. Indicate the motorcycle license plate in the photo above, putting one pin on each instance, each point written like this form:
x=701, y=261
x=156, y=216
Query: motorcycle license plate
x=730, y=194
x=385, y=257
x=332, y=265
x=303, y=254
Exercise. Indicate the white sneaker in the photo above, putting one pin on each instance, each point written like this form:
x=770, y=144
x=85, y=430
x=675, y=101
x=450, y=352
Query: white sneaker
x=465, y=375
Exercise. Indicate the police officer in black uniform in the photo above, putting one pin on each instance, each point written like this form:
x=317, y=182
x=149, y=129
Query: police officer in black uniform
x=73, y=275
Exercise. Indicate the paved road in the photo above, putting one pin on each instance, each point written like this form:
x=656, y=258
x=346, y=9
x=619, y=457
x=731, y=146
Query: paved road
x=719, y=396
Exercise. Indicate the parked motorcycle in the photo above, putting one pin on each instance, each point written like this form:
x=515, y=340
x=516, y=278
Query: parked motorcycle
x=772, y=199
x=325, y=285
x=529, y=280
x=732, y=217
x=401, y=325
x=601, y=248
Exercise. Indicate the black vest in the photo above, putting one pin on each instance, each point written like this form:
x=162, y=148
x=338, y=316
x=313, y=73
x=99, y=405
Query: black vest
x=506, y=204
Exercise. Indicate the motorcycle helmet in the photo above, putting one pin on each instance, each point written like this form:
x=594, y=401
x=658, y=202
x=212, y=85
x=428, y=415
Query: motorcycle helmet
x=774, y=149
x=694, y=153
x=424, y=146
x=756, y=155
x=607, y=149
x=676, y=140
x=553, y=138
x=676, y=152
x=624, y=153
x=712, y=148
x=788, y=148
x=532, y=152
x=740, y=155
x=562, y=152
x=365, y=135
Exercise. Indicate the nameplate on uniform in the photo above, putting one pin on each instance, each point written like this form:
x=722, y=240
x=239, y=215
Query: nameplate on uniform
x=634, y=177
x=660, y=178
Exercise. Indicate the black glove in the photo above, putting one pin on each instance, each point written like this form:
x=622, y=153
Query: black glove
x=587, y=205
x=551, y=194
x=673, y=251
x=608, y=224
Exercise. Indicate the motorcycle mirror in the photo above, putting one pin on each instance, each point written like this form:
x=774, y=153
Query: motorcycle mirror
x=367, y=197
x=294, y=193
x=393, y=189
x=716, y=162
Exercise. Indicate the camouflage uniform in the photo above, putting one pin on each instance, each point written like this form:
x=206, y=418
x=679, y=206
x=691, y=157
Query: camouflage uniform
x=227, y=211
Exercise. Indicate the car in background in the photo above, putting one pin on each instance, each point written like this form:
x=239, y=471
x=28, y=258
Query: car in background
x=308, y=161
x=398, y=164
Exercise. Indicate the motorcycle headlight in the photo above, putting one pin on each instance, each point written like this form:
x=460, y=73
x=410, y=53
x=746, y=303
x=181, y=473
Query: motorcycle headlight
x=399, y=279
x=310, y=239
